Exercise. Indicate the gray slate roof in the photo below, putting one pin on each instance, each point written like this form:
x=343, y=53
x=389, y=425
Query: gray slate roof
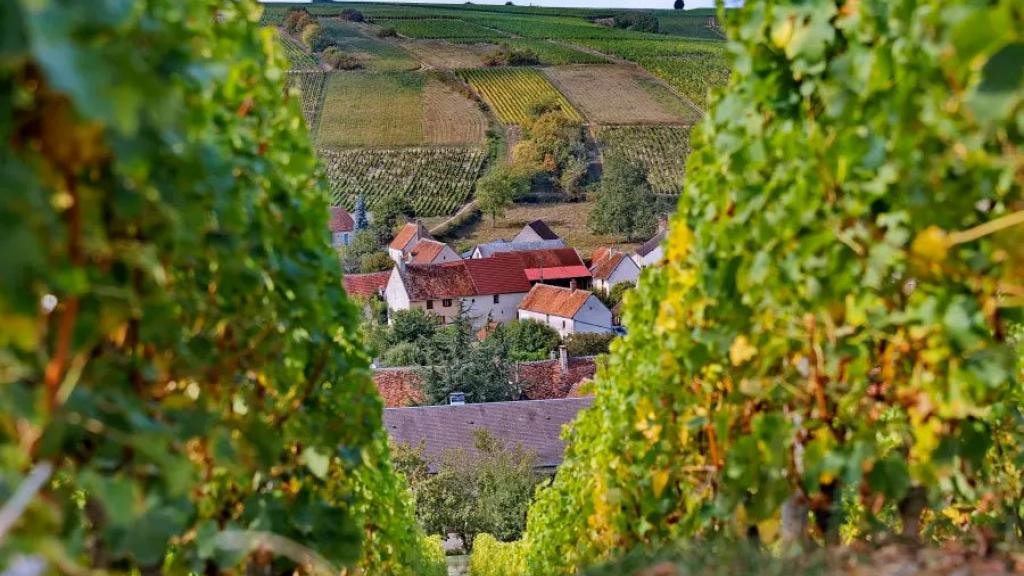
x=649, y=246
x=536, y=425
x=491, y=248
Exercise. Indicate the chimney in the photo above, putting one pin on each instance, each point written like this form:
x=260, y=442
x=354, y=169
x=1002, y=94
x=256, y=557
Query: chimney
x=572, y=285
x=457, y=398
x=563, y=359
x=662, y=224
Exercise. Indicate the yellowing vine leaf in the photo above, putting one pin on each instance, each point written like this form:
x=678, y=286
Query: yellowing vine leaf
x=741, y=350
x=932, y=244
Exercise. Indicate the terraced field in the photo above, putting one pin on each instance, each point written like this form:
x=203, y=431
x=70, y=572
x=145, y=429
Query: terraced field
x=611, y=94
x=360, y=42
x=511, y=91
x=443, y=28
x=692, y=67
x=435, y=180
x=661, y=149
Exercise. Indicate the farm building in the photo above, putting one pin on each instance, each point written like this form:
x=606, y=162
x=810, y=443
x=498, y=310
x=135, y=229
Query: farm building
x=536, y=231
x=650, y=252
x=341, y=226
x=610, y=267
x=567, y=310
x=557, y=267
x=535, y=425
x=498, y=246
x=485, y=290
x=406, y=239
x=428, y=251
x=366, y=285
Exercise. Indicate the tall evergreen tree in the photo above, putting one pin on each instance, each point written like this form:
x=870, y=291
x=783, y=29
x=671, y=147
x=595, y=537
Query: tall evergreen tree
x=361, y=221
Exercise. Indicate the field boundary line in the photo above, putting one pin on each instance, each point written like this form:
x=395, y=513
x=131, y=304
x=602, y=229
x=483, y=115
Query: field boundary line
x=443, y=226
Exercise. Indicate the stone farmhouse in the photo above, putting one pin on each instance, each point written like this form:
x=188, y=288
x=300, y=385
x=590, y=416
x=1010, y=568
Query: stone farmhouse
x=567, y=310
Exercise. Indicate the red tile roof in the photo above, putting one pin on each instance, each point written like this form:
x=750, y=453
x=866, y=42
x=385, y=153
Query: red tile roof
x=550, y=258
x=561, y=302
x=604, y=267
x=365, y=285
x=535, y=426
x=399, y=387
x=540, y=380
x=341, y=220
x=499, y=274
x=425, y=251
x=557, y=273
x=438, y=281
x=407, y=233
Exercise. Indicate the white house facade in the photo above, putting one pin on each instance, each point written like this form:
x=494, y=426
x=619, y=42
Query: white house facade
x=566, y=310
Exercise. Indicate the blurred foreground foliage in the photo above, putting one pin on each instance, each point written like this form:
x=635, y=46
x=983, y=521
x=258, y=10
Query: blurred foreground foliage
x=175, y=343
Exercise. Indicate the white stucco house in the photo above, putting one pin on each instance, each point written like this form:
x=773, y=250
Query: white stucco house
x=406, y=239
x=651, y=252
x=610, y=267
x=567, y=310
x=485, y=291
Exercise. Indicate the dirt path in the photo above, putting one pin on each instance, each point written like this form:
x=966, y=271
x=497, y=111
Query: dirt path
x=458, y=565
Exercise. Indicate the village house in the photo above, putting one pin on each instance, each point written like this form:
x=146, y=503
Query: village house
x=558, y=267
x=610, y=267
x=498, y=246
x=366, y=285
x=567, y=310
x=536, y=231
x=651, y=253
x=534, y=425
x=428, y=251
x=406, y=239
x=341, y=226
x=484, y=291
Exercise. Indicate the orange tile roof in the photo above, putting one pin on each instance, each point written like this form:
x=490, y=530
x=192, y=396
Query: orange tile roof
x=365, y=285
x=604, y=267
x=437, y=281
x=341, y=220
x=499, y=274
x=550, y=258
x=554, y=300
x=425, y=251
x=407, y=233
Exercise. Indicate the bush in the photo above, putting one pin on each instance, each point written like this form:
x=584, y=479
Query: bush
x=297, y=19
x=338, y=60
x=352, y=15
x=527, y=339
x=376, y=262
x=493, y=558
x=506, y=55
x=640, y=21
x=387, y=32
x=588, y=344
x=316, y=39
x=404, y=354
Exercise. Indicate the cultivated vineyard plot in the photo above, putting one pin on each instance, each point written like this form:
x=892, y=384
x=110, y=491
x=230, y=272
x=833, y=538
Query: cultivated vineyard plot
x=511, y=92
x=661, y=149
x=435, y=180
x=310, y=84
x=297, y=55
x=441, y=28
x=613, y=94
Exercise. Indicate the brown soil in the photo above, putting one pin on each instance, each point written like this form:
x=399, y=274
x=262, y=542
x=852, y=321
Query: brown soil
x=611, y=94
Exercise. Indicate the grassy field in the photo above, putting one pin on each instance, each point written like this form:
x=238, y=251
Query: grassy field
x=450, y=117
x=445, y=55
x=435, y=180
x=568, y=220
x=356, y=112
x=661, y=149
x=511, y=91
x=374, y=54
x=611, y=94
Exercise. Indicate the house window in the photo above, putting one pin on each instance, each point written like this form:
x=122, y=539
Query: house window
x=446, y=303
x=563, y=323
x=497, y=299
x=430, y=304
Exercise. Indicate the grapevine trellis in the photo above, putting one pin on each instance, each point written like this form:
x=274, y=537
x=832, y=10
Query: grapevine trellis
x=661, y=149
x=511, y=92
x=311, y=85
x=436, y=181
